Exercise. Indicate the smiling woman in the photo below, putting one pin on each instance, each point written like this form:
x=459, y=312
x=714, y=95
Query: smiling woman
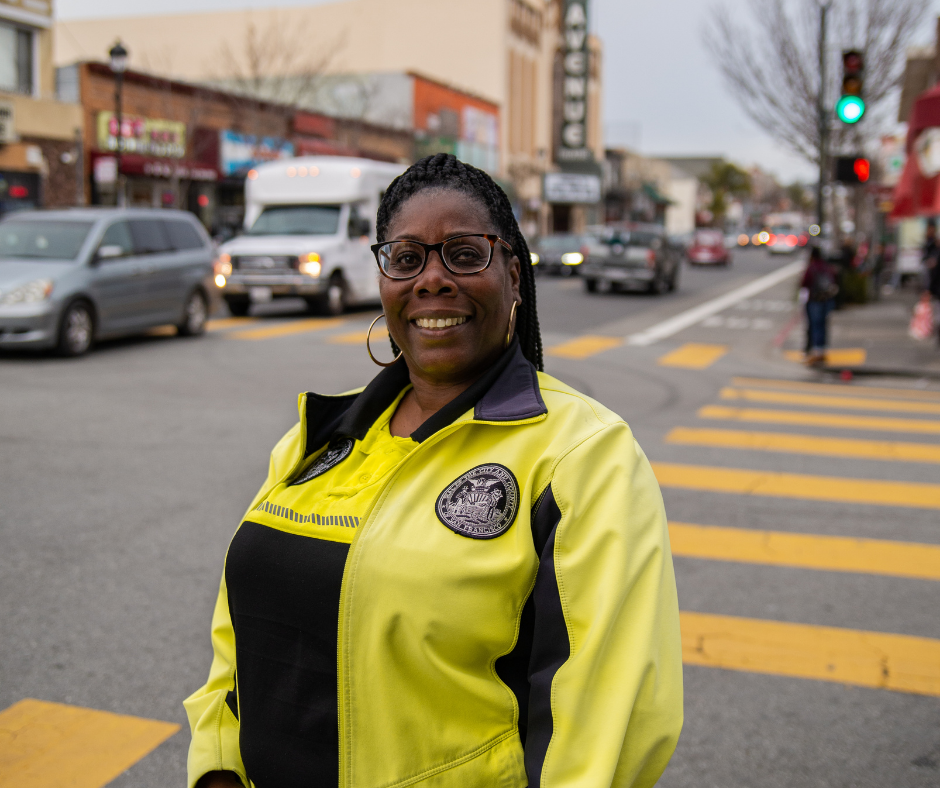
x=459, y=575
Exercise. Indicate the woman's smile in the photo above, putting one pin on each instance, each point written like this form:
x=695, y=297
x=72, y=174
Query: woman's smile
x=437, y=323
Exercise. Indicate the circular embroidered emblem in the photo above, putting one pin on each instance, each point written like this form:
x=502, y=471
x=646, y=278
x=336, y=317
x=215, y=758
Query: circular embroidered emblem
x=334, y=455
x=481, y=504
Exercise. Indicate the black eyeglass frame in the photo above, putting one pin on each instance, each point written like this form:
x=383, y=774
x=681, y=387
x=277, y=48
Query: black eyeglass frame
x=439, y=248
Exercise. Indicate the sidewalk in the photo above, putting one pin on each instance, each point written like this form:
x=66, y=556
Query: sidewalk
x=872, y=339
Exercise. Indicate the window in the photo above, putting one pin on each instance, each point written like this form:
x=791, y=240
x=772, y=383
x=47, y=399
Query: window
x=149, y=236
x=118, y=234
x=41, y=240
x=16, y=59
x=297, y=220
x=182, y=234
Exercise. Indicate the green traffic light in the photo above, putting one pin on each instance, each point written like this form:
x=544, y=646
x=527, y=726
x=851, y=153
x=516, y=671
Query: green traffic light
x=850, y=109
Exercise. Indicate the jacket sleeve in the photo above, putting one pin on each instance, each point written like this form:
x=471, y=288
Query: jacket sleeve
x=605, y=673
x=213, y=709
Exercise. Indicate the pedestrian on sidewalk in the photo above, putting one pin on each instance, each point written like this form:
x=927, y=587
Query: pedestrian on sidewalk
x=818, y=291
x=931, y=260
x=460, y=574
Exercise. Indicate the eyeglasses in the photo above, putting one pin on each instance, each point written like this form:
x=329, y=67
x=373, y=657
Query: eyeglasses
x=462, y=255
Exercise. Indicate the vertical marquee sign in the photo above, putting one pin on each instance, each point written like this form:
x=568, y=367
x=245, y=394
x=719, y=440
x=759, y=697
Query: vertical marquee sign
x=574, y=87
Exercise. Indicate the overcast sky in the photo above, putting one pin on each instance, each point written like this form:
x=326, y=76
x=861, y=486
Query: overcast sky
x=662, y=94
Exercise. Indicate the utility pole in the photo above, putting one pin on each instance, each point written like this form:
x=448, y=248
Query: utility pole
x=823, y=116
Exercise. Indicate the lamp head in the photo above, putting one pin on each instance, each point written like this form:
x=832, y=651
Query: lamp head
x=118, y=55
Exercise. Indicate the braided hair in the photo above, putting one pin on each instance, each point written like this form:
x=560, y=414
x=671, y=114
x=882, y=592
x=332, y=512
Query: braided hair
x=445, y=171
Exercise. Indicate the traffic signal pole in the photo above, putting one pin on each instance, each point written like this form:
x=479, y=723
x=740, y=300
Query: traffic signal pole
x=822, y=118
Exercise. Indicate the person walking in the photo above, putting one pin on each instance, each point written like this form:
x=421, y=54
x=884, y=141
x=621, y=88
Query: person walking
x=459, y=575
x=931, y=262
x=819, y=292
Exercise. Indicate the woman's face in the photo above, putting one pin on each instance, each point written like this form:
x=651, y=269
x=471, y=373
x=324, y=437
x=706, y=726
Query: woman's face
x=484, y=301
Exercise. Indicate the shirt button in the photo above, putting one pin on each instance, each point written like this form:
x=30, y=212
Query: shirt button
x=365, y=477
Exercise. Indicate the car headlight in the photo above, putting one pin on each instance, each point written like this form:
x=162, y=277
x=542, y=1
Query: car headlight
x=30, y=293
x=223, y=265
x=572, y=258
x=309, y=264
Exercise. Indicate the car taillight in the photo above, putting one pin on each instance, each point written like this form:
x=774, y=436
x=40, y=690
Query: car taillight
x=584, y=251
x=804, y=239
x=650, y=258
x=791, y=240
x=771, y=239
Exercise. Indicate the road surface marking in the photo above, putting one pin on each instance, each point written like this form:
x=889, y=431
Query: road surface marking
x=731, y=321
x=806, y=444
x=693, y=356
x=359, y=337
x=880, y=424
x=806, y=551
x=50, y=745
x=585, y=346
x=847, y=357
x=797, y=485
x=285, y=329
x=865, y=659
x=162, y=331
x=834, y=401
x=697, y=314
x=840, y=389
x=224, y=323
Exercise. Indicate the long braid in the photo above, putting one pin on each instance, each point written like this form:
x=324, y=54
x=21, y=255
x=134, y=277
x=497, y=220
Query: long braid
x=446, y=171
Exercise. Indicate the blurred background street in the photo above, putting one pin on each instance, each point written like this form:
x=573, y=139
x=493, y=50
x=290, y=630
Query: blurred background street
x=187, y=199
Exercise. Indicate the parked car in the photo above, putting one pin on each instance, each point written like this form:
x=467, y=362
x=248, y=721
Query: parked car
x=708, y=248
x=559, y=254
x=71, y=277
x=640, y=257
x=308, y=234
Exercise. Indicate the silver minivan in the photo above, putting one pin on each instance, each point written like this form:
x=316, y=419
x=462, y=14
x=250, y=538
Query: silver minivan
x=71, y=277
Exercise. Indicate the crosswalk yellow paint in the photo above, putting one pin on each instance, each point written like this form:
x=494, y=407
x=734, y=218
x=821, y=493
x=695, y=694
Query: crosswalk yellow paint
x=795, y=485
x=287, y=328
x=838, y=357
x=585, y=346
x=802, y=418
x=806, y=444
x=865, y=659
x=359, y=337
x=840, y=389
x=225, y=323
x=820, y=400
x=806, y=551
x=693, y=355
x=50, y=745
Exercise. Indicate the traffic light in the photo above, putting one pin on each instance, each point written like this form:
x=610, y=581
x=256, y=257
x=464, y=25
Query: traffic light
x=852, y=169
x=851, y=105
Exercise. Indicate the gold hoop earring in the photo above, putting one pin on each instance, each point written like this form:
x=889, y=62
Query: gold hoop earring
x=512, y=323
x=369, y=349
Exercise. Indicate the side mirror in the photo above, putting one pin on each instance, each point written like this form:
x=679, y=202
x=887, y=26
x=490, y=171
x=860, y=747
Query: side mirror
x=108, y=252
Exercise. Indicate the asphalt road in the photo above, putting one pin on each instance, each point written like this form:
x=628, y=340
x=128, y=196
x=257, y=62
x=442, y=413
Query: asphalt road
x=123, y=475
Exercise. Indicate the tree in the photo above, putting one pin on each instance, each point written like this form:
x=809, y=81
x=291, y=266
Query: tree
x=725, y=180
x=771, y=66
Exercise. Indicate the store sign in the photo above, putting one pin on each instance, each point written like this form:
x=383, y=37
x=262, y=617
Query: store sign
x=927, y=149
x=574, y=85
x=7, y=125
x=572, y=188
x=146, y=136
x=238, y=153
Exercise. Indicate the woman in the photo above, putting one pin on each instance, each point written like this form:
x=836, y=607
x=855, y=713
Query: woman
x=818, y=292
x=460, y=575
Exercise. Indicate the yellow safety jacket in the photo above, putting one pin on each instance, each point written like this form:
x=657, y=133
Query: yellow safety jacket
x=503, y=613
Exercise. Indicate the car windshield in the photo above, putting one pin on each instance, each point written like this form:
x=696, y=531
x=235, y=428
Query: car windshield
x=633, y=238
x=709, y=238
x=42, y=240
x=559, y=243
x=297, y=220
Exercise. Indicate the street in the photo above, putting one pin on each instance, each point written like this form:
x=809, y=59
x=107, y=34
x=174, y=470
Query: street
x=803, y=513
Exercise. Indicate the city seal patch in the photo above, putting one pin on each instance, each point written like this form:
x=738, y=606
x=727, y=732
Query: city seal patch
x=481, y=504
x=333, y=456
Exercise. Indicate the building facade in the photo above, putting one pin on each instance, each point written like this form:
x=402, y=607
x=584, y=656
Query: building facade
x=38, y=133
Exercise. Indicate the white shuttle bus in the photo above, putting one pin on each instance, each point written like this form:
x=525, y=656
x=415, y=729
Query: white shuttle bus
x=309, y=223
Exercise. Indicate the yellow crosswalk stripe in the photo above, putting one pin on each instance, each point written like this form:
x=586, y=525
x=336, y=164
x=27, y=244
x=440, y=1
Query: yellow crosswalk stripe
x=224, y=323
x=849, y=356
x=819, y=400
x=359, y=337
x=838, y=421
x=806, y=551
x=50, y=745
x=806, y=444
x=585, y=346
x=840, y=389
x=864, y=659
x=285, y=329
x=693, y=355
x=795, y=485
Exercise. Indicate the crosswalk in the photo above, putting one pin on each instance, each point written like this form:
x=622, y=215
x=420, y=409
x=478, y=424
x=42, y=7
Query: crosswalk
x=885, y=660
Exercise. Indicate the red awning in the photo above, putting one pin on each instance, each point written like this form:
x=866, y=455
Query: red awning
x=917, y=194
x=136, y=164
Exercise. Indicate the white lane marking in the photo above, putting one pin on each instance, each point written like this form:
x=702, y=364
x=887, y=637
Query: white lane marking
x=760, y=305
x=696, y=314
x=755, y=323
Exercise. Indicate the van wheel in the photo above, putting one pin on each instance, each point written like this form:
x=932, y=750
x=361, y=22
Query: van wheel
x=195, y=315
x=590, y=285
x=77, y=329
x=238, y=306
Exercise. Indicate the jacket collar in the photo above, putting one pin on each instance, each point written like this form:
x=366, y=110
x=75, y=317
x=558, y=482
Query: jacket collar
x=509, y=391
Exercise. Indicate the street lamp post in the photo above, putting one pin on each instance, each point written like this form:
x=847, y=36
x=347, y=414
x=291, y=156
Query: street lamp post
x=822, y=116
x=118, y=55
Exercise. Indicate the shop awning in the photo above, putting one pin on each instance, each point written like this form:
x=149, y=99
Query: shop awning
x=654, y=194
x=152, y=167
x=918, y=192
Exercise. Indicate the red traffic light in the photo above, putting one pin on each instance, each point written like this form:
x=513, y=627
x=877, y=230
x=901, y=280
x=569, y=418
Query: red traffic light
x=862, y=169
